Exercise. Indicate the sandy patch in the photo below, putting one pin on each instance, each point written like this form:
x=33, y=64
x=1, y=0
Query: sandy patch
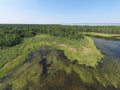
x=87, y=51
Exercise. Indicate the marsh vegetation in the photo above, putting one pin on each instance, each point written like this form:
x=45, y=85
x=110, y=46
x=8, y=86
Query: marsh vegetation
x=59, y=57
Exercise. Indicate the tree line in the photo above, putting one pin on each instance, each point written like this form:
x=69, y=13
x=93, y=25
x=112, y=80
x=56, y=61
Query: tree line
x=11, y=35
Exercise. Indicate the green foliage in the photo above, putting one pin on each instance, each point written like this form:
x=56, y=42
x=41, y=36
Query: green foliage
x=20, y=73
x=11, y=35
x=61, y=72
x=11, y=57
x=9, y=40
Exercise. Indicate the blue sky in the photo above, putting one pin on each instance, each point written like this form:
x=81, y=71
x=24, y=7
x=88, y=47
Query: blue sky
x=59, y=11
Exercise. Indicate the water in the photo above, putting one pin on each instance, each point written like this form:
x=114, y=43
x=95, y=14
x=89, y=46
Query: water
x=93, y=24
x=108, y=48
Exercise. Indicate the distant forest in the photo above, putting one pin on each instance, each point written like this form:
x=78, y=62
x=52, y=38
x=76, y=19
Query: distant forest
x=11, y=35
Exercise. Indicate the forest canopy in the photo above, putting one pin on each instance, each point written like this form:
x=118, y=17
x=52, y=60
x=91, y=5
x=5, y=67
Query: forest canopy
x=11, y=35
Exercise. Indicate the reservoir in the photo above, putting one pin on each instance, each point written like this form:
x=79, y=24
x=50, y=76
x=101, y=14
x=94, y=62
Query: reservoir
x=109, y=48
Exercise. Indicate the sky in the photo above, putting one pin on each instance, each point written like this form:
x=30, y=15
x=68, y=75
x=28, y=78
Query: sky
x=59, y=11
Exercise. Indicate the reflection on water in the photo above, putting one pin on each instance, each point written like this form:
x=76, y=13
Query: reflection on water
x=109, y=48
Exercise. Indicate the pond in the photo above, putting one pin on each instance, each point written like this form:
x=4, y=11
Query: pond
x=109, y=48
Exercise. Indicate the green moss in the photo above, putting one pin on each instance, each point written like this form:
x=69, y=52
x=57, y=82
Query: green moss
x=82, y=50
x=74, y=49
x=105, y=36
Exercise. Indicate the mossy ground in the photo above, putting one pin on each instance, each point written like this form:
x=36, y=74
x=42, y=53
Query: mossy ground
x=21, y=69
x=102, y=35
x=82, y=50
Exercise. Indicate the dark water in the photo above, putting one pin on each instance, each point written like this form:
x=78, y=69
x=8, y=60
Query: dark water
x=109, y=48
